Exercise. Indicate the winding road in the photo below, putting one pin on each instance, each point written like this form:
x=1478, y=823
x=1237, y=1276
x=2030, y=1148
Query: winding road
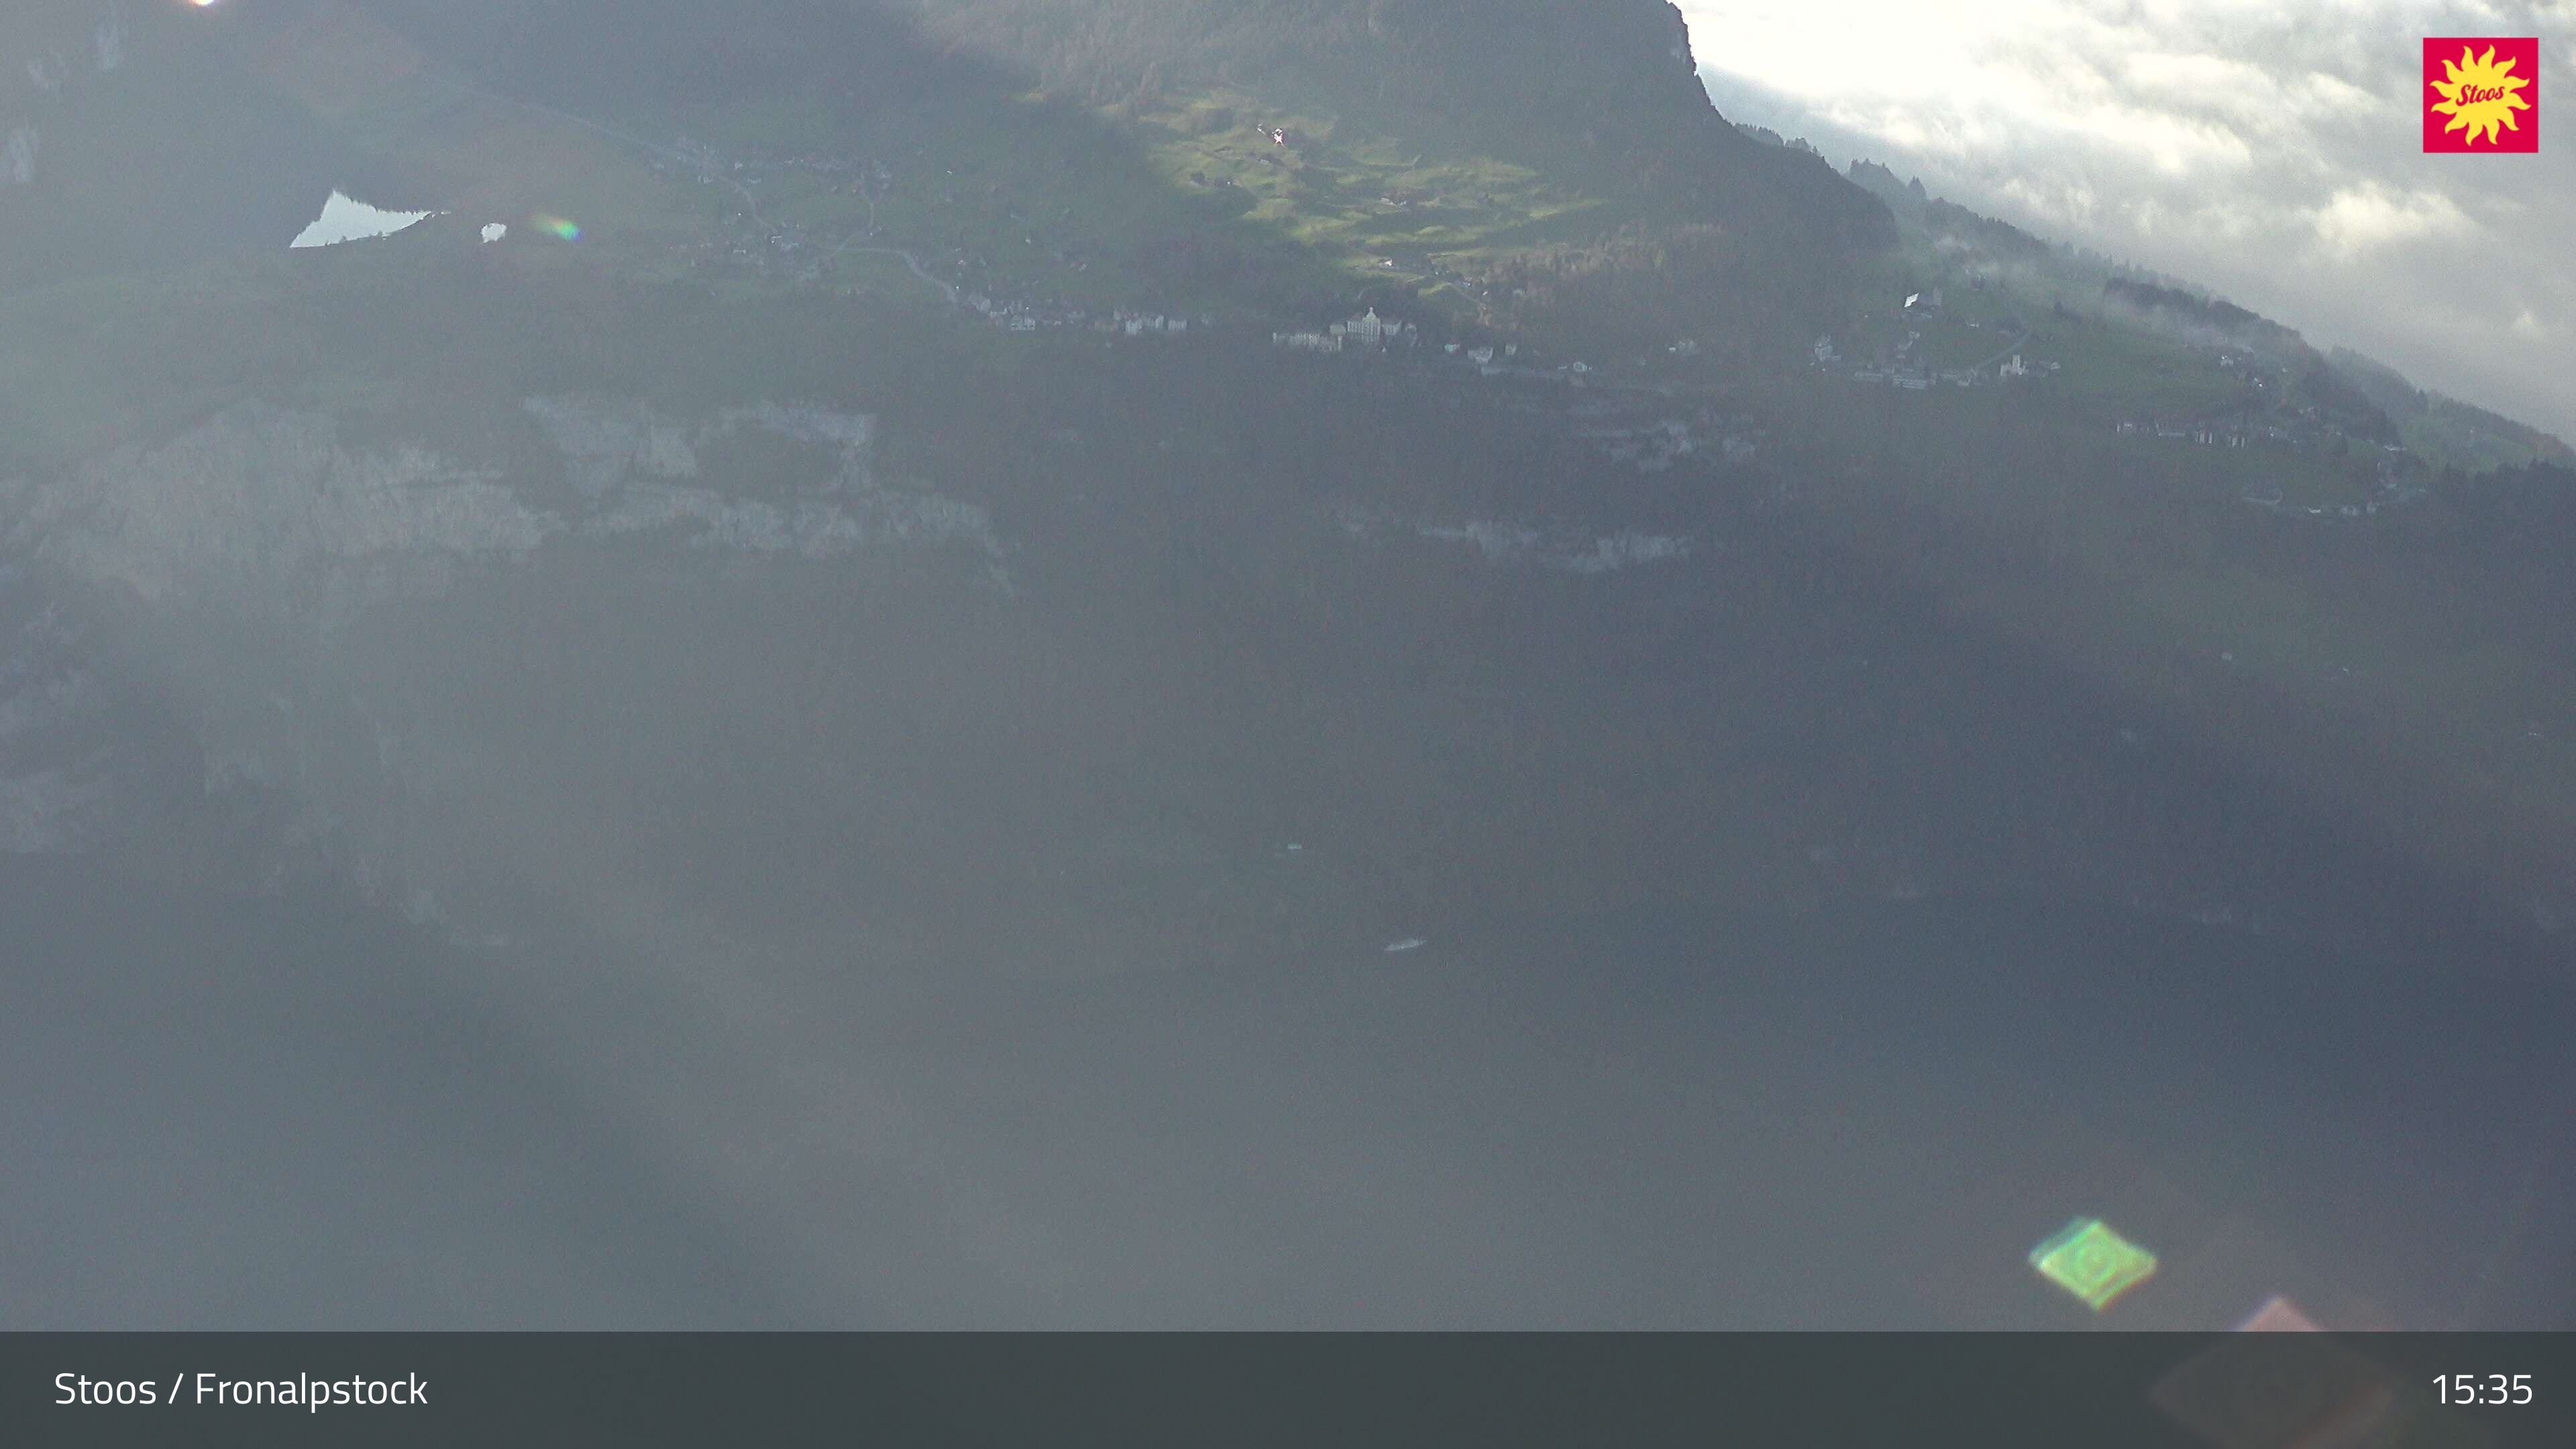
x=946, y=288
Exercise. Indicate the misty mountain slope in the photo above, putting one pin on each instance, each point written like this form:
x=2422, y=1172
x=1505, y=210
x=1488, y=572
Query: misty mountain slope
x=782, y=722
x=285, y=445
x=840, y=613
x=729, y=865
x=2365, y=398
x=426, y=419
x=1441, y=183
x=2446, y=428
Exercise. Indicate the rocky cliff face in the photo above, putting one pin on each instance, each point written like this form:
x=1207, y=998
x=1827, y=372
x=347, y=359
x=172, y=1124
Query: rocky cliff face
x=255, y=609
x=720, y=666
x=258, y=496
x=736, y=676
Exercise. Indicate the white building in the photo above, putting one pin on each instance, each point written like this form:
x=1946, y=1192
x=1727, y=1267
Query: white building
x=1372, y=330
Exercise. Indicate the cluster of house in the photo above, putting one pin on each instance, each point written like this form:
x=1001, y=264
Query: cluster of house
x=1915, y=378
x=2222, y=433
x=1910, y=374
x=2271, y=503
x=784, y=248
x=2303, y=430
x=2205, y=433
x=1367, y=331
x=1507, y=361
x=1026, y=317
x=2238, y=432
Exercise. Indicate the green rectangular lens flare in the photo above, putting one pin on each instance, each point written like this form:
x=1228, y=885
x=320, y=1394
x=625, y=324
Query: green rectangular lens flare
x=2092, y=1262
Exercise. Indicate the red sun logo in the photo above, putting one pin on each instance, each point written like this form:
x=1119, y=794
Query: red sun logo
x=2481, y=94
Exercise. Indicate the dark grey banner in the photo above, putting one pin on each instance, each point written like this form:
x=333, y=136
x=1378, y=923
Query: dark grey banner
x=2246, y=1390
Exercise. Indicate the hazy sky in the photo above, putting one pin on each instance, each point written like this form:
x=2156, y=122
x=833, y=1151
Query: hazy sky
x=2269, y=151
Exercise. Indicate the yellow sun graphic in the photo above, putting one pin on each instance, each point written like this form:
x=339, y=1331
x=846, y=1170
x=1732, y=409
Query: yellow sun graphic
x=2479, y=95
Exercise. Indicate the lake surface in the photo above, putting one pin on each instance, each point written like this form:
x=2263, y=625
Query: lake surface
x=279, y=1114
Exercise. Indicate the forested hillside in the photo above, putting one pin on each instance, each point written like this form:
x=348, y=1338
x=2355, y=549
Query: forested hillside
x=1420, y=150
x=1615, y=81
x=1648, y=347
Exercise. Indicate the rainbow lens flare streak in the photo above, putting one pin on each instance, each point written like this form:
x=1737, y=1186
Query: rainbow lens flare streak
x=557, y=226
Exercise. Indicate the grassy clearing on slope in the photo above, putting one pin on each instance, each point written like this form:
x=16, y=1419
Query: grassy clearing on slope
x=1013, y=196
x=2115, y=370
x=1364, y=198
x=2445, y=440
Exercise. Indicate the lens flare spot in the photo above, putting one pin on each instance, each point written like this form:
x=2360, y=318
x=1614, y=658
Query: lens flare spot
x=559, y=227
x=2092, y=1262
